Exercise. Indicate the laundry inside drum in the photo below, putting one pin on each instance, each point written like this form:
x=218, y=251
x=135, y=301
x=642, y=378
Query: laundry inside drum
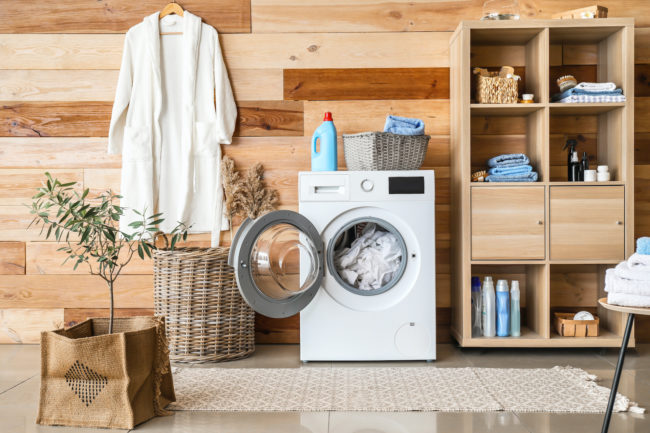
x=284, y=262
x=368, y=257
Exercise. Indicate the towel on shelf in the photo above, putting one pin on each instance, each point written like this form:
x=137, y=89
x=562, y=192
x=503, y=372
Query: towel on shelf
x=627, y=300
x=524, y=177
x=508, y=160
x=404, y=125
x=616, y=284
x=575, y=91
x=511, y=170
x=595, y=87
x=643, y=246
x=591, y=99
x=640, y=273
x=637, y=260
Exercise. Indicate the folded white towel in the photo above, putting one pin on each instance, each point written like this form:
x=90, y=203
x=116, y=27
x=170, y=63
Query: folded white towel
x=596, y=87
x=624, y=270
x=627, y=300
x=637, y=260
x=615, y=284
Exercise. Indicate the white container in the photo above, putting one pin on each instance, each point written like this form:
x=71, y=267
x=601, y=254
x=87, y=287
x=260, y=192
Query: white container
x=515, y=314
x=603, y=169
x=590, y=175
x=603, y=177
x=489, y=308
x=527, y=97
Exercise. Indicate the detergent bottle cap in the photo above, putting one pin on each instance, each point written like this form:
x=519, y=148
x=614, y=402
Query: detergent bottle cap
x=328, y=117
x=476, y=284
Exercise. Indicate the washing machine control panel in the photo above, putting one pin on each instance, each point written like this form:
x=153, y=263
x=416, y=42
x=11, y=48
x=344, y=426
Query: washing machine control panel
x=367, y=185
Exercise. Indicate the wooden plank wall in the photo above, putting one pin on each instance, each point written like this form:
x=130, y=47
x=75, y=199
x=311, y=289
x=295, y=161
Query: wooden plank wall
x=289, y=62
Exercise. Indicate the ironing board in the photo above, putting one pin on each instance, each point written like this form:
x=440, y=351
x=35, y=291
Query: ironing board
x=631, y=312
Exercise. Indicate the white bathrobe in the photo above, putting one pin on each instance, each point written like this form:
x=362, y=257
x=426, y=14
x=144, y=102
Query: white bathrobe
x=173, y=109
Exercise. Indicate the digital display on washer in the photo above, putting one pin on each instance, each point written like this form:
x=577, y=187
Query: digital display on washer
x=406, y=185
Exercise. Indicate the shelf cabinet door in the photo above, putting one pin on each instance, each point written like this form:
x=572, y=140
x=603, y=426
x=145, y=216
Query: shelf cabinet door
x=508, y=223
x=587, y=222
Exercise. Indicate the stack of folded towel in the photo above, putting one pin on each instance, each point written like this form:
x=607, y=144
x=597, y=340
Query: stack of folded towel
x=628, y=284
x=513, y=167
x=404, y=125
x=590, y=92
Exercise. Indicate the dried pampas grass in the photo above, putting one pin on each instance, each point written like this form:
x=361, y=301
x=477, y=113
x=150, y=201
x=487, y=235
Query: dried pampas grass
x=246, y=196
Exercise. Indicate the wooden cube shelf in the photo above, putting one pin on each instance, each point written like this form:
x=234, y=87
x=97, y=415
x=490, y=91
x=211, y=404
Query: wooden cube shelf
x=556, y=237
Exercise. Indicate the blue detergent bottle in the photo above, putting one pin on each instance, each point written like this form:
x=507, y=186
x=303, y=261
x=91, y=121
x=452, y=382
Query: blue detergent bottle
x=325, y=158
x=503, y=309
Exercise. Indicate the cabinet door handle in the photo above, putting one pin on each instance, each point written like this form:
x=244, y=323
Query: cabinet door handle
x=540, y=222
x=619, y=223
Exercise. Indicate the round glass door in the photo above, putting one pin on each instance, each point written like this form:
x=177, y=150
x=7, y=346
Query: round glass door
x=278, y=261
x=284, y=261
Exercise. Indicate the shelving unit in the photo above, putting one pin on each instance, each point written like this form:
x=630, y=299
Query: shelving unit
x=555, y=237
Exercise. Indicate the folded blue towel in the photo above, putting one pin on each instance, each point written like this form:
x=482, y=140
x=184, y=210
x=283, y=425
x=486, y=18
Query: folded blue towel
x=404, y=125
x=508, y=160
x=525, y=177
x=643, y=245
x=574, y=91
x=511, y=170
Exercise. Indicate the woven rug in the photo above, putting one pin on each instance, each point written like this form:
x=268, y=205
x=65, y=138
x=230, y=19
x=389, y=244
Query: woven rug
x=397, y=389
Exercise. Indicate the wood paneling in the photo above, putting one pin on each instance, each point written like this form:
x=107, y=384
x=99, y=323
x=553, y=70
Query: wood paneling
x=108, y=16
x=24, y=325
x=74, y=291
x=280, y=16
x=18, y=186
x=56, y=152
x=275, y=118
x=12, y=258
x=366, y=84
x=642, y=80
x=63, y=119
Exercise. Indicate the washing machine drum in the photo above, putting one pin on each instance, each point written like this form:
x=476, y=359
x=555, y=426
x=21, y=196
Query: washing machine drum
x=278, y=261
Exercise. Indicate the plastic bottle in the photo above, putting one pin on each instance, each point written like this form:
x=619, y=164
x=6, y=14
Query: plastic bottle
x=477, y=307
x=515, y=314
x=570, y=145
x=584, y=165
x=503, y=309
x=488, y=308
x=325, y=159
x=575, y=168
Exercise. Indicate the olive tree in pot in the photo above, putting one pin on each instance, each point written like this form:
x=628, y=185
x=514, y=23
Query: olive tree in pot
x=103, y=372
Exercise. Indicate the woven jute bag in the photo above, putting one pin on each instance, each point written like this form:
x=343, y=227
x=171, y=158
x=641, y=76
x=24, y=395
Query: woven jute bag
x=90, y=378
x=207, y=319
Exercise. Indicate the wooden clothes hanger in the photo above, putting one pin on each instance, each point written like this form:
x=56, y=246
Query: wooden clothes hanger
x=171, y=8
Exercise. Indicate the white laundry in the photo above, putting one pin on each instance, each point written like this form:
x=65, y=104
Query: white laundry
x=628, y=300
x=617, y=284
x=371, y=261
x=641, y=273
x=637, y=261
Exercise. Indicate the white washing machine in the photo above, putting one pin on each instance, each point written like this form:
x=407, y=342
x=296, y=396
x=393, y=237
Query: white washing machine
x=285, y=263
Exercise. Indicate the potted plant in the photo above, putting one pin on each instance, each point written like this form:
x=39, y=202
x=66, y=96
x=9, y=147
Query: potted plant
x=103, y=372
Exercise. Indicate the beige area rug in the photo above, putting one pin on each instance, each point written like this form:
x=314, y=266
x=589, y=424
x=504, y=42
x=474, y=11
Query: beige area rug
x=401, y=389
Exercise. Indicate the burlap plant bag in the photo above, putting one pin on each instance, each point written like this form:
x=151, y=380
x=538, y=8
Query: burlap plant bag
x=92, y=379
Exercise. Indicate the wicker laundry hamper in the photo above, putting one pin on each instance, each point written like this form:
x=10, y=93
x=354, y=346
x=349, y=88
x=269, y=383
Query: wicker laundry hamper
x=207, y=320
x=384, y=151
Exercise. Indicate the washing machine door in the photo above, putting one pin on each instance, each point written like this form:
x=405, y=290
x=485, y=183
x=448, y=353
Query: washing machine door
x=278, y=261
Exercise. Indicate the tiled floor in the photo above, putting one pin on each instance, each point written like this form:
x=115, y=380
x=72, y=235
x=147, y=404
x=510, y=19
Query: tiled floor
x=19, y=368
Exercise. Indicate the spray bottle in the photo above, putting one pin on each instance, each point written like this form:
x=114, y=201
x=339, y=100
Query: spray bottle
x=571, y=146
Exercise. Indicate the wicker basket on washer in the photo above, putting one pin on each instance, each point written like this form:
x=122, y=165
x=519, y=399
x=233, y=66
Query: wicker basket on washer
x=207, y=320
x=384, y=151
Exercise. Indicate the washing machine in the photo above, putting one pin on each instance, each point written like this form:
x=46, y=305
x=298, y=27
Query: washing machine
x=290, y=262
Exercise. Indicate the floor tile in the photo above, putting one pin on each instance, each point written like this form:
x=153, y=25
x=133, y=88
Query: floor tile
x=535, y=358
x=266, y=356
x=425, y=422
x=248, y=422
x=17, y=363
x=583, y=423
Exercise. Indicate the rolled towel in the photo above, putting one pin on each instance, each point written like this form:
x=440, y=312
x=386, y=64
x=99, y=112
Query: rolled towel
x=637, y=260
x=615, y=284
x=524, y=177
x=404, y=125
x=508, y=160
x=643, y=246
x=514, y=169
x=641, y=273
x=625, y=300
x=595, y=87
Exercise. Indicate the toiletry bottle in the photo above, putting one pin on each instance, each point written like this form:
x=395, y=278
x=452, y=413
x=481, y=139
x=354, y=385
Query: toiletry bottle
x=515, y=313
x=488, y=308
x=571, y=146
x=503, y=309
x=584, y=165
x=575, y=168
x=325, y=158
x=477, y=309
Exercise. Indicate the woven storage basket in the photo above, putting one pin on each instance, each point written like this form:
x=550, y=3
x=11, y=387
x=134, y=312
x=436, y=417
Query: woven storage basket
x=496, y=90
x=384, y=151
x=207, y=319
